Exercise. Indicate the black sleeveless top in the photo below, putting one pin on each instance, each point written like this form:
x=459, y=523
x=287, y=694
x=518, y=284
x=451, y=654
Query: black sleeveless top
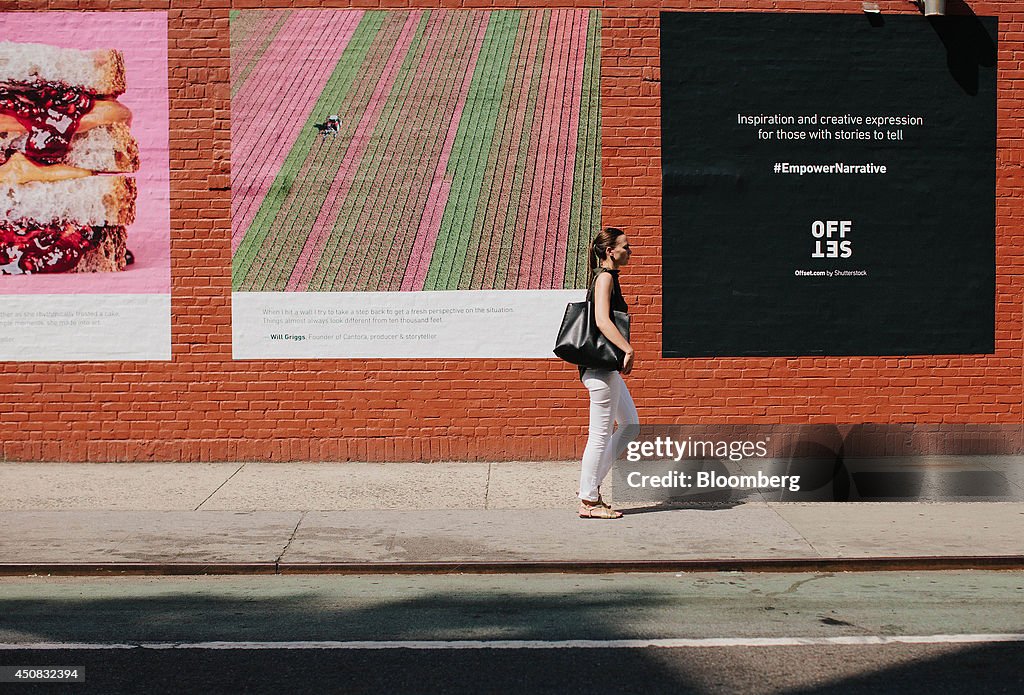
x=618, y=302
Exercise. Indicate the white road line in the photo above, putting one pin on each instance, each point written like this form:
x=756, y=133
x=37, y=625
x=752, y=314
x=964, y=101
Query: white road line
x=534, y=644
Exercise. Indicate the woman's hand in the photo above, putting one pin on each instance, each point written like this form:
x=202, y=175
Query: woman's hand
x=627, y=362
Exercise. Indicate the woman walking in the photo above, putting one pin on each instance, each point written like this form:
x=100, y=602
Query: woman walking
x=610, y=402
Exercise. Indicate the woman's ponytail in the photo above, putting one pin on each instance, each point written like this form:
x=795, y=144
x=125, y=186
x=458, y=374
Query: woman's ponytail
x=598, y=250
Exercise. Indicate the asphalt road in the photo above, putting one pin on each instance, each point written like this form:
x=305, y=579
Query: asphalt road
x=524, y=634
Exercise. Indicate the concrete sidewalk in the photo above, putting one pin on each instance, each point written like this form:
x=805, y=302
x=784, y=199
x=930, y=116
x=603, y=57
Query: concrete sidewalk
x=279, y=517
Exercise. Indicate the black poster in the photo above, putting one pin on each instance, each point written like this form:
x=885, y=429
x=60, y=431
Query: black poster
x=828, y=184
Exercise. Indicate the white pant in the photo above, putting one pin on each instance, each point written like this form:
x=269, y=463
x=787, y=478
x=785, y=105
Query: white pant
x=610, y=402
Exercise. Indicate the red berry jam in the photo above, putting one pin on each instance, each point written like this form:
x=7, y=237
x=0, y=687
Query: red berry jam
x=50, y=112
x=28, y=247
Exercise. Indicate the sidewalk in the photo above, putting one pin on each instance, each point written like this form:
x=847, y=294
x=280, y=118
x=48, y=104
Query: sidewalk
x=517, y=516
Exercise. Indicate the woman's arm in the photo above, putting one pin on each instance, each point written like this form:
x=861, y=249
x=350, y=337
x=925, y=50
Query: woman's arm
x=603, y=318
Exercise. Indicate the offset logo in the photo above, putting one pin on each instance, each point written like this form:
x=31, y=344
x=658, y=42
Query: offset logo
x=830, y=239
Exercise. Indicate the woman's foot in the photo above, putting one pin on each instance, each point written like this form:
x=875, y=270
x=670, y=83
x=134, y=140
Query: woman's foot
x=598, y=510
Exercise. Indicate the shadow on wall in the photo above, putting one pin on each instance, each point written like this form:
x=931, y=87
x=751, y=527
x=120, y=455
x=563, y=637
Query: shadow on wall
x=892, y=463
x=968, y=45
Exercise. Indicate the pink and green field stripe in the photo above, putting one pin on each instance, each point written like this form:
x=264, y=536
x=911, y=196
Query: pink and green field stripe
x=468, y=157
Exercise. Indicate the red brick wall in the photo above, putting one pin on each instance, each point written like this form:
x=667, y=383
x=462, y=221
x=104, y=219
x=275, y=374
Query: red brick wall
x=204, y=406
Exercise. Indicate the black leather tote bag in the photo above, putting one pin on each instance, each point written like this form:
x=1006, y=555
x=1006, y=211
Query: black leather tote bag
x=580, y=341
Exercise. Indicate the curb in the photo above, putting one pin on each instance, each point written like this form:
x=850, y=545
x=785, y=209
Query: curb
x=869, y=564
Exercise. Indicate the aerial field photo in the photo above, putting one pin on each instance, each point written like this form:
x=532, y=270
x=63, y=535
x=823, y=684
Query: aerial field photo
x=402, y=151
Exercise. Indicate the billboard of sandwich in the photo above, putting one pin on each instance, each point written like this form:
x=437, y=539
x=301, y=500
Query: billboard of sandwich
x=84, y=183
x=63, y=131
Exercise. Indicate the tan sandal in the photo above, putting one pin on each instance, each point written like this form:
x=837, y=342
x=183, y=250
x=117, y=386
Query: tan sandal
x=600, y=500
x=598, y=510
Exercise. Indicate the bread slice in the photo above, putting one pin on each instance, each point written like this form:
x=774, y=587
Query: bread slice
x=110, y=255
x=96, y=201
x=108, y=148
x=98, y=71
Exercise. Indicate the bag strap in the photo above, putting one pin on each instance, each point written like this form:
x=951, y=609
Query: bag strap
x=590, y=290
